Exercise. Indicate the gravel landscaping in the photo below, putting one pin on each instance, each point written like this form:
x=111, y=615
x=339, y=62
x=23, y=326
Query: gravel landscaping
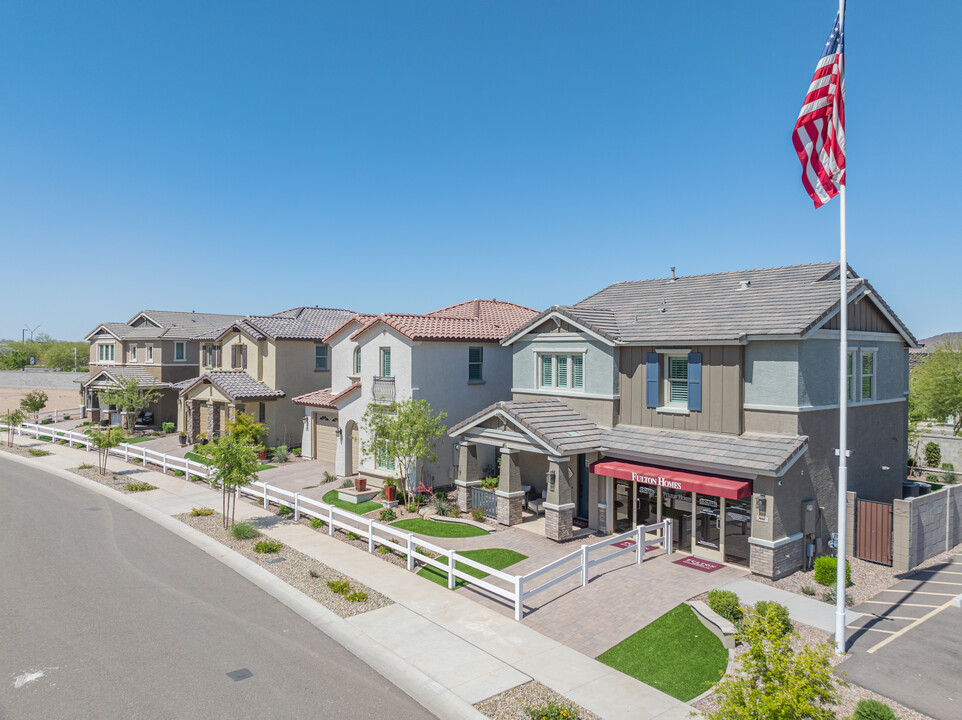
x=512, y=704
x=294, y=569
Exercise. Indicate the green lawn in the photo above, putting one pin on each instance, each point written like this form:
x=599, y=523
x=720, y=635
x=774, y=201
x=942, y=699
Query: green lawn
x=497, y=558
x=139, y=439
x=439, y=529
x=675, y=654
x=201, y=459
x=330, y=497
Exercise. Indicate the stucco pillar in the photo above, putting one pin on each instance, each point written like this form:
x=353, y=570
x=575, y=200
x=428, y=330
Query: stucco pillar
x=509, y=493
x=468, y=476
x=558, y=507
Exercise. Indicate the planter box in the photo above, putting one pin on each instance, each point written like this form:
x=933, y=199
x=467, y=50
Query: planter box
x=356, y=496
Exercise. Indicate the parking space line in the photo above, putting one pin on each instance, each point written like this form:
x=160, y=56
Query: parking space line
x=896, y=617
x=870, y=629
x=899, y=604
x=941, y=582
x=920, y=592
x=904, y=630
x=940, y=572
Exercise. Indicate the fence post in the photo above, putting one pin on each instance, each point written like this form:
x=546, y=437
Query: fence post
x=668, y=537
x=187, y=468
x=640, y=544
x=450, y=569
x=266, y=503
x=410, y=552
x=126, y=452
x=37, y=428
x=370, y=535
x=330, y=520
x=297, y=507
x=144, y=451
x=165, y=462
x=518, y=598
x=584, y=565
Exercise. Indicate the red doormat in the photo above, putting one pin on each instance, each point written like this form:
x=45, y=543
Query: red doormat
x=699, y=564
x=628, y=543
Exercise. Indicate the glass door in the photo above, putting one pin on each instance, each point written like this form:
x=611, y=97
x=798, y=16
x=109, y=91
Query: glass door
x=624, y=517
x=738, y=528
x=708, y=530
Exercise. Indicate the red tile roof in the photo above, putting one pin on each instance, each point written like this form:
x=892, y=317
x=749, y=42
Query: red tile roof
x=324, y=398
x=361, y=318
x=478, y=320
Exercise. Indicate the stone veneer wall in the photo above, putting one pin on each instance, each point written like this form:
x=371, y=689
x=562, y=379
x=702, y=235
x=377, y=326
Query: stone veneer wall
x=778, y=562
x=925, y=526
x=558, y=524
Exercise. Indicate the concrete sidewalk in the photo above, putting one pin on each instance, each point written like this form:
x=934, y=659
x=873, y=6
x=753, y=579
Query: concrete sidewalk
x=452, y=644
x=803, y=609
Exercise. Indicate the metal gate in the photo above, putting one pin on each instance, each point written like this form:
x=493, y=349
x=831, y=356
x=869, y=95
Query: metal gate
x=485, y=500
x=873, y=531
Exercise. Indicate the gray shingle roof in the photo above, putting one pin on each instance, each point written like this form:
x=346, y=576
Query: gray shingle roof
x=567, y=432
x=301, y=323
x=173, y=325
x=236, y=384
x=144, y=378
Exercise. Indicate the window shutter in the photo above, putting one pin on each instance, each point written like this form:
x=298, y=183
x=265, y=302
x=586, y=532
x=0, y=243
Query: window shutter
x=386, y=362
x=577, y=372
x=562, y=371
x=694, y=382
x=546, y=370
x=243, y=352
x=217, y=356
x=651, y=380
x=233, y=356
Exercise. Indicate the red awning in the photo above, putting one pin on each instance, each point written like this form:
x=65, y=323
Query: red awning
x=729, y=488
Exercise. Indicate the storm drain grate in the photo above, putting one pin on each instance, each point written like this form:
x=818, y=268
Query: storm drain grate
x=241, y=674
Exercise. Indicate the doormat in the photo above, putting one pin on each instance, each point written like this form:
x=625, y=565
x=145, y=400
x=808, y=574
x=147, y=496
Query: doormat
x=699, y=564
x=580, y=523
x=628, y=543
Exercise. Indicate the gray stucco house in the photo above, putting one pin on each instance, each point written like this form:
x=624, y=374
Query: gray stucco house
x=710, y=399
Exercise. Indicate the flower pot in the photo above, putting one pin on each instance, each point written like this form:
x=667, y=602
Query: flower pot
x=182, y=439
x=390, y=493
x=262, y=454
x=360, y=484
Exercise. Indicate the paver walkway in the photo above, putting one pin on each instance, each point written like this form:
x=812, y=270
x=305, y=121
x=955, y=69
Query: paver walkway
x=472, y=650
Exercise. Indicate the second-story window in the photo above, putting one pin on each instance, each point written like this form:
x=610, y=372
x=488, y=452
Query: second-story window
x=868, y=374
x=149, y=352
x=238, y=357
x=565, y=372
x=133, y=353
x=180, y=352
x=851, y=367
x=385, y=362
x=320, y=357
x=357, y=360
x=209, y=354
x=676, y=390
x=105, y=352
x=475, y=364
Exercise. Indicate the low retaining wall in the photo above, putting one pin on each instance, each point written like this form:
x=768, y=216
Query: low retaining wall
x=925, y=526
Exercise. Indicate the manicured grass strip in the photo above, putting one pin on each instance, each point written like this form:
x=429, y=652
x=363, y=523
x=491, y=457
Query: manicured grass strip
x=138, y=439
x=439, y=529
x=675, y=654
x=497, y=558
x=330, y=497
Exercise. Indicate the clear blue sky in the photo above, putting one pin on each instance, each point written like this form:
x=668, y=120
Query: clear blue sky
x=400, y=156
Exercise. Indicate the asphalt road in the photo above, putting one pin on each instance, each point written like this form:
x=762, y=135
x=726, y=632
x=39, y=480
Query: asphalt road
x=104, y=614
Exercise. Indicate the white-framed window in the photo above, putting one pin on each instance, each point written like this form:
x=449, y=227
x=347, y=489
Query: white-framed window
x=320, y=357
x=149, y=352
x=475, y=364
x=565, y=372
x=133, y=353
x=180, y=352
x=383, y=458
x=851, y=380
x=385, y=362
x=867, y=367
x=357, y=360
x=676, y=381
x=105, y=352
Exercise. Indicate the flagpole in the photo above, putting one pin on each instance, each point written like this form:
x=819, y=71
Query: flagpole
x=843, y=390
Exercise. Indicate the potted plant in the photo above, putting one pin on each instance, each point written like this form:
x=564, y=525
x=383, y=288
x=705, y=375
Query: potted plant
x=262, y=453
x=182, y=438
x=360, y=483
x=390, y=490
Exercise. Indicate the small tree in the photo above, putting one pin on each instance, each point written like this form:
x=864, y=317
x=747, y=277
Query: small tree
x=13, y=358
x=233, y=462
x=248, y=430
x=130, y=399
x=933, y=455
x=12, y=419
x=774, y=681
x=33, y=402
x=104, y=439
x=406, y=431
x=936, y=384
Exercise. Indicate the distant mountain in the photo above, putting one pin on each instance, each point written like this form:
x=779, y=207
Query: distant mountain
x=936, y=339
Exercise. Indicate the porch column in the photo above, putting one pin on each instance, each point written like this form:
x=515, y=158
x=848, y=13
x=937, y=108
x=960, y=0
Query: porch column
x=558, y=507
x=468, y=475
x=193, y=420
x=231, y=413
x=509, y=493
x=210, y=419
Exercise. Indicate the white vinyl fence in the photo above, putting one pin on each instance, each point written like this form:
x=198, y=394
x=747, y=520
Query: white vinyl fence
x=416, y=549
x=57, y=415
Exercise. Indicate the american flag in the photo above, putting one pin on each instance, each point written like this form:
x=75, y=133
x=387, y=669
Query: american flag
x=820, y=130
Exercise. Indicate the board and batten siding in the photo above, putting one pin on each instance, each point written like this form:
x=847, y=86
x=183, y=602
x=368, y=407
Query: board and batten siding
x=721, y=391
x=863, y=316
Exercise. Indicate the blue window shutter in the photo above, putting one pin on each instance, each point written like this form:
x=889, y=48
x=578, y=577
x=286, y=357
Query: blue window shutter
x=694, y=382
x=651, y=381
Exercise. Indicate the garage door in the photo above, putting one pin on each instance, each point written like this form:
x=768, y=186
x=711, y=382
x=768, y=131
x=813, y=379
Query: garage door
x=325, y=439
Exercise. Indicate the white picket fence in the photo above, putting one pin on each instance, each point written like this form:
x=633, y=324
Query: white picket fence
x=520, y=588
x=57, y=415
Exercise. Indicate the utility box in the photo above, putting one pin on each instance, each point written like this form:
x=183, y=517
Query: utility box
x=809, y=517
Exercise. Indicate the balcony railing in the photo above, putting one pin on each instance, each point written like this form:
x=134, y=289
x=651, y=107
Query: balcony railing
x=383, y=390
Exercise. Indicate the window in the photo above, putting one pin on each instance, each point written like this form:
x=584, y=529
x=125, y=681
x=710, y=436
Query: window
x=261, y=412
x=561, y=371
x=320, y=357
x=383, y=458
x=150, y=352
x=851, y=365
x=868, y=374
x=105, y=352
x=180, y=353
x=385, y=362
x=133, y=353
x=475, y=362
x=209, y=355
x=676, y=390
x=238, y=357
x=357, y=360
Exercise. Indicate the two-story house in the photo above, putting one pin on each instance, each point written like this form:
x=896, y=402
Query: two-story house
x=157, y=347
x=256, y=364
x=711, y=400
x=452, y=358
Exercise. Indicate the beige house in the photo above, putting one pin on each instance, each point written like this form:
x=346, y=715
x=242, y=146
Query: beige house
x=158, y=347
x=256, y=365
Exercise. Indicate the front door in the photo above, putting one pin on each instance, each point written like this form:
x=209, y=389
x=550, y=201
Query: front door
x=624, y=501
x=708, y=527
x=582, y=511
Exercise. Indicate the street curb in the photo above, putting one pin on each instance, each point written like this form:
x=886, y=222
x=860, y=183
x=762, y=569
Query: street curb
x=430, y=694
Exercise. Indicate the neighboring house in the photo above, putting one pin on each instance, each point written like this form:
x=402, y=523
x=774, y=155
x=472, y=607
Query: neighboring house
x=256, y=364
x=711, y=400
x=158, y=347
x=918, y=355
x=452, y=358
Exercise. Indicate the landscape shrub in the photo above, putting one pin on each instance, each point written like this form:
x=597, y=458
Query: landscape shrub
x=440, y=503
x=85, y=466
x=179, y=473
x=387, y=515
x=341, y=587
x=873, y=710
x=808, y=590
x=725, y=603
x=352, y=536
x=933, y=454
x=357, y=596
x=329, y=477
x=168, y=427
x=38, y=453
x=348, y=483
x=383, y=549
x=825, y=570
x=932, y=478
x=313, y=573
x=490, y=483
x=244, y=531
x=201, y=511
x=830, y=596
x=284, y=510
x=477, y=514
x=779, y=613
x=454, y=511
x=267, y=546
x=138, y=487
x=317, y=524
x=281, y=454
x=552, y=710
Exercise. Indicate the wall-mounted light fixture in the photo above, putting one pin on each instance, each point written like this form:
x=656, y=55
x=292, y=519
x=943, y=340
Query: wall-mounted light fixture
x=338, y=432
x=550, y=476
